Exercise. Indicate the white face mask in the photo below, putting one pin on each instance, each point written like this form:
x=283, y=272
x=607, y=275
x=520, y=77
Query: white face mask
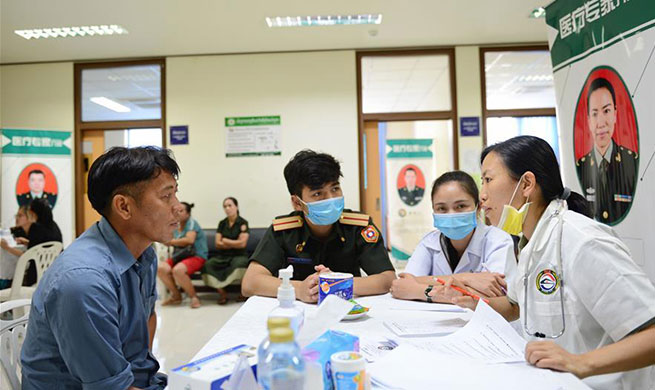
x=511, y=219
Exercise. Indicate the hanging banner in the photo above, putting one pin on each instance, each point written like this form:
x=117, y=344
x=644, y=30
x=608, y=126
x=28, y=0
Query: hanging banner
x=604, y=71
x=37, y=164
x=410, y=167
x=253, y=136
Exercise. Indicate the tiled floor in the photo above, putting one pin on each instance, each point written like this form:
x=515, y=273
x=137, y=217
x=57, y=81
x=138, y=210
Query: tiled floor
x=182, y=331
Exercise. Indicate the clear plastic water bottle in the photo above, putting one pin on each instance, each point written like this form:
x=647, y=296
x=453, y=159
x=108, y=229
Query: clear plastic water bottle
x=271, y=323
x=282, y=368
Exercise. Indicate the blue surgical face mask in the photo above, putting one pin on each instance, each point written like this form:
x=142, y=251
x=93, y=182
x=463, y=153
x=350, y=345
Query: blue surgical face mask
x=324, y=212
x=455, y=226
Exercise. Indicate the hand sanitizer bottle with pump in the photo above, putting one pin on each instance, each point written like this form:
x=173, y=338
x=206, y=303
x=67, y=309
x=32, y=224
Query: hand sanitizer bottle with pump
x=287, y=307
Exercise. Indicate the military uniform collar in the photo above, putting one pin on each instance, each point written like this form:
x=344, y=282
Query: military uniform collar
x=608, y=154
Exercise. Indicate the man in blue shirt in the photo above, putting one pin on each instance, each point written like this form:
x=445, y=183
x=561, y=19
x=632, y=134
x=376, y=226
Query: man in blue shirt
x=92, y=320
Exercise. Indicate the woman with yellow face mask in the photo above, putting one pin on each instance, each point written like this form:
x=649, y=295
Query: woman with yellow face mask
x=585, y=305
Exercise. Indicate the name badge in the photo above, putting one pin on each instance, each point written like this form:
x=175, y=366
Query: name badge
x=299, y=260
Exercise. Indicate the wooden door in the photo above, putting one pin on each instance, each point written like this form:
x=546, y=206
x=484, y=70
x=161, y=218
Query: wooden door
x=93, y=145
x=372, y=199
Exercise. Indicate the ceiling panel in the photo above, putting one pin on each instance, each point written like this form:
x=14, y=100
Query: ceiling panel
x=173, y=27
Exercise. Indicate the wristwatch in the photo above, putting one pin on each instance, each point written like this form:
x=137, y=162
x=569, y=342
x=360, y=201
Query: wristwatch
x=427, y=295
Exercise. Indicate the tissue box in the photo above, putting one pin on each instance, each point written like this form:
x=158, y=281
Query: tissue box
x=321, y=349
x=210, y=372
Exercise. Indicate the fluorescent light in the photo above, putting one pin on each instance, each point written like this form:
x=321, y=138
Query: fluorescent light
x=539, y=12
x=110, y=104
x=329, y=20
x=64, y=32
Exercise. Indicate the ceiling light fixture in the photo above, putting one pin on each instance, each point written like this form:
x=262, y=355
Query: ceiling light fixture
x=110, y=104
x=330, y=20
x=539, y=12
x=64, y=32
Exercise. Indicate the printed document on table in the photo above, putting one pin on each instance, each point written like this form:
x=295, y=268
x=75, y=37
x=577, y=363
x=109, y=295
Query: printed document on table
x=447, y=323
x=429, y=371
x=487, y=338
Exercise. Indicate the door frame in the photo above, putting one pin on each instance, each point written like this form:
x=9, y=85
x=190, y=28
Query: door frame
x=405, y=116
x=81, y=126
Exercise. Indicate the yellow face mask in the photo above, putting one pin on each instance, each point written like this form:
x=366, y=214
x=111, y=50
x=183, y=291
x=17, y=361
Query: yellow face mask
x=511, y=219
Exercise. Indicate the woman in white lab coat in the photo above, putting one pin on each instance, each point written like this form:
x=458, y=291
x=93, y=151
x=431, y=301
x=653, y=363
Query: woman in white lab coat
x=460, y=245
x=576, y=284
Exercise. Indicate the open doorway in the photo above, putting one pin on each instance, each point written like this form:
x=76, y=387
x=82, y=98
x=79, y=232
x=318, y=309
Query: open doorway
x=116, y=104
x=408, y=137
x=96, y=142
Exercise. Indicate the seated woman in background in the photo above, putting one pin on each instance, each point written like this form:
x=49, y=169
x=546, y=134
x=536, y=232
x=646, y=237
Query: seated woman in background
x=188, y=258
x=42, y=228
x=231, y=239
x=475, y=252
x=8, y=265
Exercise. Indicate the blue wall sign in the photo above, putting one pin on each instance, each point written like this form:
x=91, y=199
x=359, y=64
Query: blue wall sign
x=179, y=135
x=469, y=126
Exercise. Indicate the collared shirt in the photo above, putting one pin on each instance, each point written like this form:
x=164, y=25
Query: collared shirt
x=88, y=326
x=487, y=250
x=200, y=244
x=348, y=248
x=607, y=156
x=606, y=295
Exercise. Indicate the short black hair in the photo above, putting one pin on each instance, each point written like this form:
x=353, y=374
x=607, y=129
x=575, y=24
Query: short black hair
x=598, y=84
x=311, y=169
x=463, y=179
x=410, y=169
x=36, y=171
x=41, y=208
x=121, y=170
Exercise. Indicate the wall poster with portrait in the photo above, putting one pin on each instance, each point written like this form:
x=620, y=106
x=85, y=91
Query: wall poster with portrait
x=604, y=74
x=36, y=164
x=411, y=168
x=606, y=145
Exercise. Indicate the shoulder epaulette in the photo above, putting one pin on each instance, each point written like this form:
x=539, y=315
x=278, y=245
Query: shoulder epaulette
x=354, y=219
x=284, y=223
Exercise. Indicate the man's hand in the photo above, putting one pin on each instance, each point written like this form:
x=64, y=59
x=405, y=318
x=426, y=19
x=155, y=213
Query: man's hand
x=308, y=291
x=490, y=284
x=406, y=287
x=547, y=354
x=22, y=241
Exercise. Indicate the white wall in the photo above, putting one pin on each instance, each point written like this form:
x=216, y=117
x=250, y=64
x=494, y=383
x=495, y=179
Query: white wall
x=40, y=97
x=469, y=103
x=315, y=93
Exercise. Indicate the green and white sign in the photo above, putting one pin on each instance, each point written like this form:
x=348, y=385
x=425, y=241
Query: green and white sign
x=253, y=136
x=603, y=56
x=410, y=169
x=15, y=141
x=409, y=148
x=37, y=164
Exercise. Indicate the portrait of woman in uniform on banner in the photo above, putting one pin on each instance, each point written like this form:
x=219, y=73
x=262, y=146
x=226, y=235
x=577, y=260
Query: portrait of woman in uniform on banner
x=606, y=142
x=410, y=184
x=36, y=181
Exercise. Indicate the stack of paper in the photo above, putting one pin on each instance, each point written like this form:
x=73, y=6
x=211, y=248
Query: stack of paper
x=435, y=327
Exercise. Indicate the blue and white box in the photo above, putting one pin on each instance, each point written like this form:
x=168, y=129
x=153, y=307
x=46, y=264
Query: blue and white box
x=210, y=372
